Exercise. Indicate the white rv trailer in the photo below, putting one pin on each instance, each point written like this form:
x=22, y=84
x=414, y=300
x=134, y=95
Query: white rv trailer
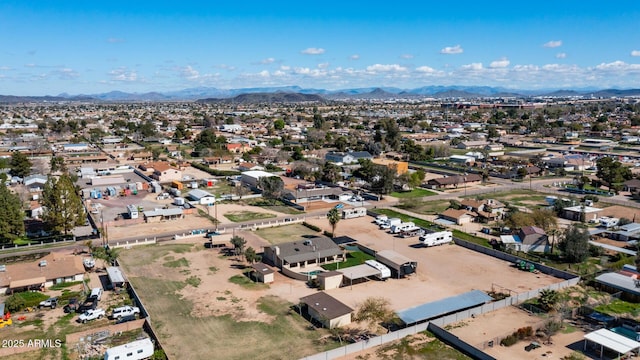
x=396, y=229
x=133, y=211
x=437, y=238
x=354, y=213
x=384, y=271
x=135, y=350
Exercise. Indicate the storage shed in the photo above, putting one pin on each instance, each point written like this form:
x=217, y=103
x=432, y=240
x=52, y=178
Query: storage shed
x=263, y=273
x=399, y=264
x=116, y=278
x=327, y=310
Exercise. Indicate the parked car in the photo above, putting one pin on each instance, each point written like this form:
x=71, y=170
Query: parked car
x=122, y=311
x=91, y=315
x=50, y=303
x=89, y=304
x=126, y=319
x=72, y=306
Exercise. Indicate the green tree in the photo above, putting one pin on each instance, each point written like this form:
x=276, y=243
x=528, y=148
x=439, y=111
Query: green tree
x=238, y=244
x=334, y=218
x=548, y=299
x=374, y=310
x=57, y=164
x=574, y=243
x=63, y=206
x=612, y=172
x=271, y=187
x=250, y=255
x=11, y=216
x=20, y=164
x=544, y=219
x=331, y=172
x=416, y=178
x=278, y=124
x=382, y=182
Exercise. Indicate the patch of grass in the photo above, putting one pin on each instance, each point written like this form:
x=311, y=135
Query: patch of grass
x=34, y=322
x=63, y=285
x=273, y=305
x=619, y=307
x=221, y=298
x=415, y=193
x=240, y=216
x=278, y=206
x=353, y=258
x=430, y=207
x=247, y=283
x=182, y=262
x=193, y=281
x=213, y=269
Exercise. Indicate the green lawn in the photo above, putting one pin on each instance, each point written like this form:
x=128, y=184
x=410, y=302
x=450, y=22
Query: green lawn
x=413, y=347
x=286, y=233
x=240, y=216
x=619, y=307
x=278, y=206
x=415, y=193
x=353, y=258
x=429, y=207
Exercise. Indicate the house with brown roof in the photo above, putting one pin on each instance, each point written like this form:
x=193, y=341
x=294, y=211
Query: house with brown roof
x=54, y=268
x=484, y=210
x=162, y=171
x=238, y=148
x=327, y=310
x=451, y=182
x=459, y=217
x=533, y=238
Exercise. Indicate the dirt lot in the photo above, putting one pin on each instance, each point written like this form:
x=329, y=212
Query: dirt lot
x=443, y=271
x=224, y=313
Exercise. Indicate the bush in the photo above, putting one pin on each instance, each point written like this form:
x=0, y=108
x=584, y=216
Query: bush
x=327, y=234
x=19, y=301
x=509, y=340
x=312, y=227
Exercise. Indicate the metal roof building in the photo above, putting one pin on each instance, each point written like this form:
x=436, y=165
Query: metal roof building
x=115, y=276
x=399, y=263
x=444, y=306
x=610, y=340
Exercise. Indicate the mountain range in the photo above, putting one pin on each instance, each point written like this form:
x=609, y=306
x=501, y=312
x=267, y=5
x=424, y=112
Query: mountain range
x=297, y=94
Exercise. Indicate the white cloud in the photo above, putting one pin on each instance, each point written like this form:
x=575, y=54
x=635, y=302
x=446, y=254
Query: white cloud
x=553, y=44
x=323, y=65
x=122, y=74
x=561, y=55
x=451, y=50
x=189, y=73
x=635, y=53
x=264, y=73
x=472, y=66
x=406, y=56
x=267, y=61
x=5, y=68
x=67, y=73
x=499, y=64
x=285, y=68
x=386, y=68
x=354, y=57
x=425, y=69
x=313, y=51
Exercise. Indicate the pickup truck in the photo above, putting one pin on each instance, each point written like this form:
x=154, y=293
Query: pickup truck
x=122, y=311
x=91, y=315
x=50, y=303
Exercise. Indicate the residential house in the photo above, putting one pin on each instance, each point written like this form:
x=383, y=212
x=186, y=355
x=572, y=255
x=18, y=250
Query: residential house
x=55, y=268
x=347, y=158
x=163, y=171
x=458, y=217
x=632, y=185
x=401, y=167
x=484, y=210
x=35, y=182
x=297, y=255
x=472, y=144
x=451, y=182
x=581, y=213
x=533, y=238
x=238, y=148
x=250, y=167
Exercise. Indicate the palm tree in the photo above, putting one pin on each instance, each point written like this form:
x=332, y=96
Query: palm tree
x=334, y=217
x=548, y=299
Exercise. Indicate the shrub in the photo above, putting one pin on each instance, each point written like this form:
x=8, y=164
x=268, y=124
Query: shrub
x=327, y=234
x=312, y=227
x=509, y=340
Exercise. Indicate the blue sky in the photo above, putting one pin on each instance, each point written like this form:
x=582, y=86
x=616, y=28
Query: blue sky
x=87, y=47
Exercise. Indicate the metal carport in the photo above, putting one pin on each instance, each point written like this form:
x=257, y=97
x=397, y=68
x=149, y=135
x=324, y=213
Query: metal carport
x=610, y=340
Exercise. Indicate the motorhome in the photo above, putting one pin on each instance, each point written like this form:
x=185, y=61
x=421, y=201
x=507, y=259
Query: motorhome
x=397, y=229
x=437, y=238
x=390, y=222
x=135, y=350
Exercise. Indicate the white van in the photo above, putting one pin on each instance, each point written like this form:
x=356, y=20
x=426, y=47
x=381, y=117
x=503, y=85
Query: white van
x=390, y=222
x=96, y=293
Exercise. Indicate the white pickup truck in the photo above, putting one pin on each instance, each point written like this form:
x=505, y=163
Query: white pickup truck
x=124, y=311
x=91, y=315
